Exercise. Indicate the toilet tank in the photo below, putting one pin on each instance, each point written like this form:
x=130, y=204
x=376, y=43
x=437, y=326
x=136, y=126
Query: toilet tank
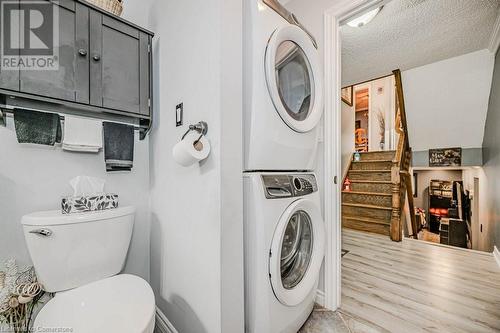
x=70, y=250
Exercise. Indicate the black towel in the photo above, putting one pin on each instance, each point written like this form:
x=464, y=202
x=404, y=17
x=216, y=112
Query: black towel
x=118, y=146
x=42, y=128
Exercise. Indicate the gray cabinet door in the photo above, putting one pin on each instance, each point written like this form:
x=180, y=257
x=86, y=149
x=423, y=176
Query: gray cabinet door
x=9, y=75
x=119, y=65
x=70, y=81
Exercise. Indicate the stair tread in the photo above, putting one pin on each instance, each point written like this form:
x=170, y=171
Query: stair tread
x=368, y=193
x=371, y=181
x=373, y=161
x=377, y=152
x=366, y=206
x=369, y=171
x=366, y=219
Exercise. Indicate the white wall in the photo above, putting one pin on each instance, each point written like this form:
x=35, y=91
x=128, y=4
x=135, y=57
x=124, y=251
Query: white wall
x=447, y=101
x=382, y=99
x=34, y=178
x=138, y=12
x=481, y=240
x=491, y=154
x=197, y=219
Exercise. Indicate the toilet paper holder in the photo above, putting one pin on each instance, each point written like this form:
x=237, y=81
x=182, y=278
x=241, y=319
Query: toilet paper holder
x=200, y=127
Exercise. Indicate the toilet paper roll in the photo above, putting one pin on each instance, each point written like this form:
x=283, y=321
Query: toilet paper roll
x=190, y=150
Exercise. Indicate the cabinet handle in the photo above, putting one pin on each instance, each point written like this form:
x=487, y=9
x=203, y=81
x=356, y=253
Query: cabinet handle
x=96, y=57
x=82, y=52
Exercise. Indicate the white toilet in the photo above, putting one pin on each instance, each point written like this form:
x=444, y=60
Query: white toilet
x=78, y=257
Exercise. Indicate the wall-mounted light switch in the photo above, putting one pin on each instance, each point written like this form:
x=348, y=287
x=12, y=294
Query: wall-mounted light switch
x=179, y=110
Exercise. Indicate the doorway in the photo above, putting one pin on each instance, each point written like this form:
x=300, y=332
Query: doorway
x=362, y=122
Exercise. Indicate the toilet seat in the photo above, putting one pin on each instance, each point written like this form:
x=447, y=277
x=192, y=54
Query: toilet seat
x=119, y=304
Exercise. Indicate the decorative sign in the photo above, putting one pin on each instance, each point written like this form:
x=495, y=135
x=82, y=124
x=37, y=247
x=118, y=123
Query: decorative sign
x=445, y=157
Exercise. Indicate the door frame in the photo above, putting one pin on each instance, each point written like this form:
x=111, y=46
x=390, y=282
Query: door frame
x=332, y=19
x=355, y=88
x=476, y=230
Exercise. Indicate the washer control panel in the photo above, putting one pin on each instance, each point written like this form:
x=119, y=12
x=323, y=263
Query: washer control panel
x=287, y=186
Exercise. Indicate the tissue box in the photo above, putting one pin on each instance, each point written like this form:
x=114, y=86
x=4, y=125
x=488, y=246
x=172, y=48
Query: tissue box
x=80, y=204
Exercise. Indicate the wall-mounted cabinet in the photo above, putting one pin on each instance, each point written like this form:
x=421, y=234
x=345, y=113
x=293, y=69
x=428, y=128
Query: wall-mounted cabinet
x=104, y=67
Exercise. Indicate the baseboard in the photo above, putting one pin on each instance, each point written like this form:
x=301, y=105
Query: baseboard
x=163, y=325
x=496, y=254
x=320, y=297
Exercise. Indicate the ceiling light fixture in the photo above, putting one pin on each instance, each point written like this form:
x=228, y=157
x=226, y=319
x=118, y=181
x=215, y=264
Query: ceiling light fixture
x=364, y=19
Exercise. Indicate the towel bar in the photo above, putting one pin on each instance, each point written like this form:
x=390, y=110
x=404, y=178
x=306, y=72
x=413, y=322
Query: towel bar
x=4, y=113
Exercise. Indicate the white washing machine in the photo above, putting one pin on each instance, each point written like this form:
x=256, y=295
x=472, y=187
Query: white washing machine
x=283, y=90
x=284, y=249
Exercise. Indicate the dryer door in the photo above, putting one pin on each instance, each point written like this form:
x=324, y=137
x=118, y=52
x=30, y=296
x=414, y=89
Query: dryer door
x=294, y=78
x=297, y=252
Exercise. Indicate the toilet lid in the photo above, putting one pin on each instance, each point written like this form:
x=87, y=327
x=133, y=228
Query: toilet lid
x=122, y=304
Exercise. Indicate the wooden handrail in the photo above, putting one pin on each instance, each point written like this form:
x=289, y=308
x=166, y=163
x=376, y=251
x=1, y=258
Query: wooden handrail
x=401, y=179
x=401, y=105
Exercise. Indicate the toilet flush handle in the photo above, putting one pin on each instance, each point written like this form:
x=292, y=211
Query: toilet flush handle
x=42, y=232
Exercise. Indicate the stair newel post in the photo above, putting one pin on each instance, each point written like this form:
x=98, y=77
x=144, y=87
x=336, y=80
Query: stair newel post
x=396, y=203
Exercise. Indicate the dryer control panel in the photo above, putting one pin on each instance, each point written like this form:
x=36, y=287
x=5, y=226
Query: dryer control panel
x=289, y=185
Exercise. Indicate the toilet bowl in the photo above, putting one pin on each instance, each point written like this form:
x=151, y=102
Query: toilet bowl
x=79, y=257
x=119, y=304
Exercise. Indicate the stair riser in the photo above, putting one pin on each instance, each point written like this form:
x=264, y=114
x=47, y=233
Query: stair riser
x=370, y=187
x=367, y=199
x=381, y=155
x=366, y=226
x=382, y=214
x=372, y=166
x=353, y=175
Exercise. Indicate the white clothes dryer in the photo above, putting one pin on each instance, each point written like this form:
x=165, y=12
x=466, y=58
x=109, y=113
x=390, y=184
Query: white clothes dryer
x=283, y=90
x=284, y=250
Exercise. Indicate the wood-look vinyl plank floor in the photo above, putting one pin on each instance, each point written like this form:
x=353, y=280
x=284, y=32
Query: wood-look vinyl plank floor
x=414, y=286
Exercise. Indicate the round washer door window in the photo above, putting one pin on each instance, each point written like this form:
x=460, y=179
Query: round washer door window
x=296, y=249
x=297, y=252
x=293, y=76
x=294, y=79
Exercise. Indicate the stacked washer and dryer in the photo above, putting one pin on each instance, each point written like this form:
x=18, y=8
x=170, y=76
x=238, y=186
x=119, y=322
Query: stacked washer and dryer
x=284, y=229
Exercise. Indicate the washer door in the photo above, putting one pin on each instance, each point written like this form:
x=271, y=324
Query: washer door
x=294, y=78
x=297, y=252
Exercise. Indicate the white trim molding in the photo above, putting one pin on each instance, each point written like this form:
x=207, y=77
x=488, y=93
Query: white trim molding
x=332, y=145
x=320, y=298
x=495, y=36
x=162, y=324
x=496, y=254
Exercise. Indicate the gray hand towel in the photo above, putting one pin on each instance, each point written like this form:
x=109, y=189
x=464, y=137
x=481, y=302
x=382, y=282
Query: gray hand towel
x=118, y=146
x=41, y=128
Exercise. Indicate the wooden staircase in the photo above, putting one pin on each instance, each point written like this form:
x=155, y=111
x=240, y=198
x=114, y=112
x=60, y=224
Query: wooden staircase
x=381, y=184
x=368, y=206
